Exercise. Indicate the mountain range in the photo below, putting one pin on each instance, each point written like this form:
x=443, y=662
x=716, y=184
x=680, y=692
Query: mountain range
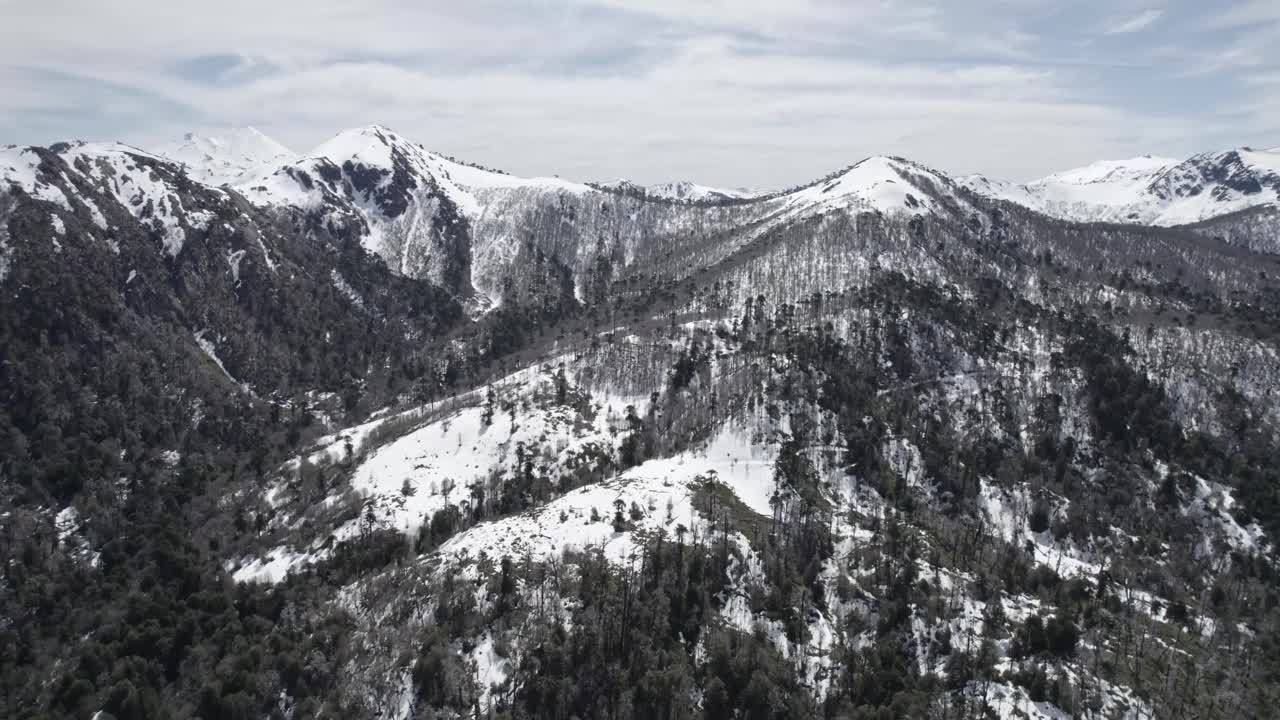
x=1145, y=190
x=372, y=431
x=1142, y=191
x=409, y=205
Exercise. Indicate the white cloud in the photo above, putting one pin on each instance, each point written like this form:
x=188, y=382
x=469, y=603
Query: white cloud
x=749, y=92
x=1250, y=13
x=1136, y=23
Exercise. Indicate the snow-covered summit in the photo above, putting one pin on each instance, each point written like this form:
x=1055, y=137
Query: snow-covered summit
x=416, y=209
x=1138, y=169
x=227, y=157
x=376, y=146
x=377, y=154
x=890, y=185
x=1149, y=190
x=1213, y=184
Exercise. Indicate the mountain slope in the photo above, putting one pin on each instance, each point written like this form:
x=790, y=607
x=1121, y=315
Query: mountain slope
x=160, y=260
x=874, y=446
x=850, y=390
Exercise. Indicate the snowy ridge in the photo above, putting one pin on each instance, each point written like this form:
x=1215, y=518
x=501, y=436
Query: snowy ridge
x=415, y=208
x=680, y=191
x=147, y=196
x=379, y=148
x=1148, y=190
x=685, y=190
x=142, y=183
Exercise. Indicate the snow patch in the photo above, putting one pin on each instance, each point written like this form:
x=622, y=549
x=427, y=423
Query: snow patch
x=271, y=569
x=233, y=261
x=345, y=288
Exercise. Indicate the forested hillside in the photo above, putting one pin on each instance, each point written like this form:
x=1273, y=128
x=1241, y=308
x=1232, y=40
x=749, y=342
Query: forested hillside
x=377, y=433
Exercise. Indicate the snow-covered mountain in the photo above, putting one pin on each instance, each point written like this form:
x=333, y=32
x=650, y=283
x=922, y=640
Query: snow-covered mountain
x=872, y=445
x=467, y=228
x=889, y=185
x=1149, y=190
x=685, y=190
x=680, y=191
x=463, y=227
x=228, y=156
x=1091, y=192
x=1213, y=184
x=414, y=208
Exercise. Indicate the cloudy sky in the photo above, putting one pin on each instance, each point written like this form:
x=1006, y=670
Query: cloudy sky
x=761, y=93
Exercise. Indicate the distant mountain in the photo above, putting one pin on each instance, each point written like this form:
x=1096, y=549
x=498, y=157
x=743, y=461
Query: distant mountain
x=685, y=190
x=228, y=156
x=1149, y=190
x=681, y=191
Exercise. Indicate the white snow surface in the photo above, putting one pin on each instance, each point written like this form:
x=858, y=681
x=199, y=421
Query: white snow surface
x=685, y=190
x=271, y=569
x=405, y=481
x=228, y=156
x=460, y=449
x=210, y=350
x=662, y=489
x=372, y=146
x=1008, y=510
x=68, y=525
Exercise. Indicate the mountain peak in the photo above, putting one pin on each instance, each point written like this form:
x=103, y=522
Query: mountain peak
x=881, y=183
x=226, y=155
x=369, y=144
